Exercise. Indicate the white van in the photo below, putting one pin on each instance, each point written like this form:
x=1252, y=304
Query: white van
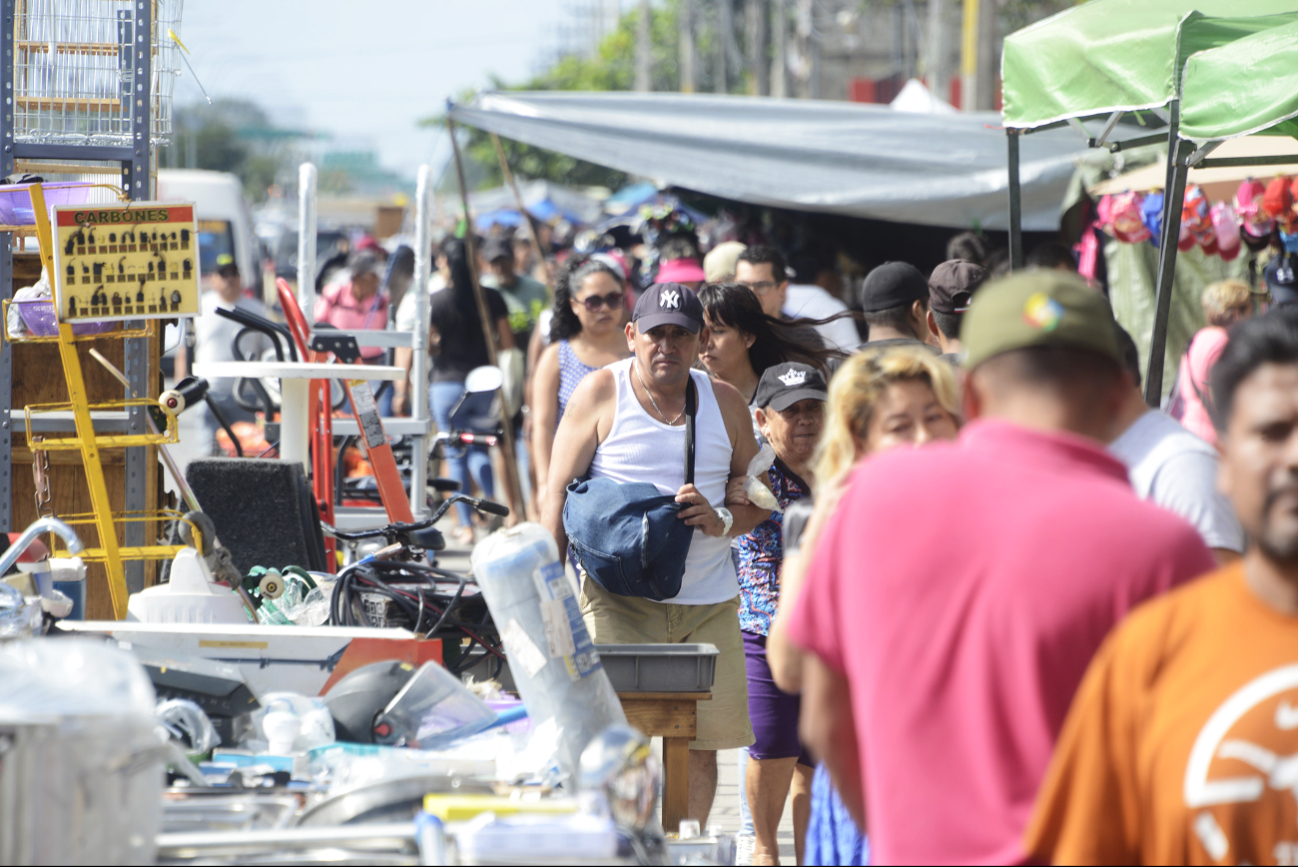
x=224, y=222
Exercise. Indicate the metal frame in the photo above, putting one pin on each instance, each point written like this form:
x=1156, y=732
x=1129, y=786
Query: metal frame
x=136, y=161
x=1181, y=155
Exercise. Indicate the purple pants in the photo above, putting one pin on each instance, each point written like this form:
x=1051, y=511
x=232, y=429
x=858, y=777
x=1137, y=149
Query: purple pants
x=774, y=713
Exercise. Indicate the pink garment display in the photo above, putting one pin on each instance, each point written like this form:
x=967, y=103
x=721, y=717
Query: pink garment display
x=1204, y=350
x=962, y=589
x=339, y=308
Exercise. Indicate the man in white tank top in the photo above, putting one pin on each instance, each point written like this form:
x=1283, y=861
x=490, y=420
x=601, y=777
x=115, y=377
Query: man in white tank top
x=627, y=422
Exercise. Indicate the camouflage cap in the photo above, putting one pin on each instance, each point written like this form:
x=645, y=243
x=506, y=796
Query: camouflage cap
x=1037, y=308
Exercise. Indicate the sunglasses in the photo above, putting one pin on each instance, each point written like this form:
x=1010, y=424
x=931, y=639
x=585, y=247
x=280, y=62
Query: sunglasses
x=613, y=301
x=761, y=287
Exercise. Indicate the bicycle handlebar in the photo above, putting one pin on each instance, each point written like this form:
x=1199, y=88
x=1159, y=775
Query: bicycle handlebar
x=397, y=528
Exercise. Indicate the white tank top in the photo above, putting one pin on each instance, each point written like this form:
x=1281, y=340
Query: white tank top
x=640, y=448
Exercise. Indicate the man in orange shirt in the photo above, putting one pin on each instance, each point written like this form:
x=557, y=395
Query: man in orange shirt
x=1182, y=743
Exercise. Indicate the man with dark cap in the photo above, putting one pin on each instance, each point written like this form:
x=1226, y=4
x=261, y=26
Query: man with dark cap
x=627, y=422
x=894, y=299
x=951, y=288
x=214, y=337
x=525, y=297
x=944, y=653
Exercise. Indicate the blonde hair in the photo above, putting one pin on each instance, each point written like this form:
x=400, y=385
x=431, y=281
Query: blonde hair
x=856, y=389
x=1220, y=298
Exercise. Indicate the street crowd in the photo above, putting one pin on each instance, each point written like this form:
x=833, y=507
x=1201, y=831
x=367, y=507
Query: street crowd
x=974, y=600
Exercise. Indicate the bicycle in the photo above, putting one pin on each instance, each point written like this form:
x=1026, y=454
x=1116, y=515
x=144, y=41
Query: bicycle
x=398, y=585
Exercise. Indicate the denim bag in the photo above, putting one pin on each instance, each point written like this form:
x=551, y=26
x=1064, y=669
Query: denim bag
x=626, y=536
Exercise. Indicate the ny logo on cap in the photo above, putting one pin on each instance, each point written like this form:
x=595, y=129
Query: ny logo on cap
x=669, y=298
x=794, y=377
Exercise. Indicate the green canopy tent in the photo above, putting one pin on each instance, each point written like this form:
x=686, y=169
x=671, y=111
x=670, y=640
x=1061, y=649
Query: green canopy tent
x=1209, y=72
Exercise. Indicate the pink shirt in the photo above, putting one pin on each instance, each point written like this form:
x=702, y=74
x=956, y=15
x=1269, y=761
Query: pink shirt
x=339, y=308
x=962, y=588
x=1203, y=353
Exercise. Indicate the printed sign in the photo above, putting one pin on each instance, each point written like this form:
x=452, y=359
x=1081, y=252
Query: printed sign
x=127, y=261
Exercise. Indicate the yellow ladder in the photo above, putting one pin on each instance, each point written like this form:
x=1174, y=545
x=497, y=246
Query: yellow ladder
x=109, y=552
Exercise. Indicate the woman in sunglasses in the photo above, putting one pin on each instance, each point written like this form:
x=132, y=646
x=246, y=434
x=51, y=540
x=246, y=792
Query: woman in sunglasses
x=585, y=335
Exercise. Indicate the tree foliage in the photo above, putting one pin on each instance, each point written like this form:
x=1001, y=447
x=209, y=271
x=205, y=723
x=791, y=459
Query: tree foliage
x=611, y=67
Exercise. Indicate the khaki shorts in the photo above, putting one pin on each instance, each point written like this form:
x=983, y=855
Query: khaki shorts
x=612, y=619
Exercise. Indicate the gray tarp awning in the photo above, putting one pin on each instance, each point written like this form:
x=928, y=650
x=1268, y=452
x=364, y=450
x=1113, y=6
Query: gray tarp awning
x=809, y=155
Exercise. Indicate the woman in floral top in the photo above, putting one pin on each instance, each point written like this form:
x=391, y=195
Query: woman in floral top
x=790, y=405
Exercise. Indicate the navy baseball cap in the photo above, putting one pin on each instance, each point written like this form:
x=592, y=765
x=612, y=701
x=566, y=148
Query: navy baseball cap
x=783, y=385
x=668, y=304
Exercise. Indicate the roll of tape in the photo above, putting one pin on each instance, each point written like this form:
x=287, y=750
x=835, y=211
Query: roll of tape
x=271, y=585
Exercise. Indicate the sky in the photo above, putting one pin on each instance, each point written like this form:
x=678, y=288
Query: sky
x=363, y=72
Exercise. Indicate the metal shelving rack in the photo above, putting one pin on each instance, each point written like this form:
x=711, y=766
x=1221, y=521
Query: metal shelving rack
x=86, y=81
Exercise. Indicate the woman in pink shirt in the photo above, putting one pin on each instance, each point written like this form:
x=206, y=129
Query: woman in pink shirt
x=357, y=304
x=1224, y=303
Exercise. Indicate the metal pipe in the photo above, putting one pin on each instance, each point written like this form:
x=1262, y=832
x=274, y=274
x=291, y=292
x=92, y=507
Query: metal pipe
x=36, y=528
x=306, y=232
x=1174, y=200
x=1016, y=200
x=419, y=340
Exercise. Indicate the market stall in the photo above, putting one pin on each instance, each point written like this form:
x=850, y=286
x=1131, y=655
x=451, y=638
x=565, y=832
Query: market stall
x=1193, y=66
x=806, y=155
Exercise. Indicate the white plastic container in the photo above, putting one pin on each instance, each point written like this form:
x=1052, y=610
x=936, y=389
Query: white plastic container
x=190, y=597
x=82, y=772
x=555, y=666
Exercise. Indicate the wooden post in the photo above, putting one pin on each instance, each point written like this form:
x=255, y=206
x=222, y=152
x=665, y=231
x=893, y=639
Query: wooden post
x=518, y=200
x=488, y=324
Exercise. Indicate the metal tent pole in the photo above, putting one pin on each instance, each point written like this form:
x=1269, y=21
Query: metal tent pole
x=306, y=232
x=419, y=341
x=1016, y=200
x=1173, y=200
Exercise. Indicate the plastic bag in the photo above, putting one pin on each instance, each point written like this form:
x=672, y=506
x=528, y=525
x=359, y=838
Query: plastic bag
x=758, y=494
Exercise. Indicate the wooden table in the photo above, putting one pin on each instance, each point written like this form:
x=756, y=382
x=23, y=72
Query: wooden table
x=671, y=716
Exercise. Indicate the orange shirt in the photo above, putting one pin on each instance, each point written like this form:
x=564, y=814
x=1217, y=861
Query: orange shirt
x=1182, y=743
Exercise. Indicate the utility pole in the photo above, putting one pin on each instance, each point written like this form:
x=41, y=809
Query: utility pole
x=937, y=63
x=978, y=56
x=780, y=48
x=725, y=29
x=802, y=44
x=688, y=79
x=644, y=49
x=755, y=24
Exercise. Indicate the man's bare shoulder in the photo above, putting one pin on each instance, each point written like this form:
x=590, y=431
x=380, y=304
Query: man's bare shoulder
x=595, y=391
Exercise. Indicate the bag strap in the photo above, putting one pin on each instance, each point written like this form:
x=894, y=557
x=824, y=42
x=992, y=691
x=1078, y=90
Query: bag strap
x=691, y=408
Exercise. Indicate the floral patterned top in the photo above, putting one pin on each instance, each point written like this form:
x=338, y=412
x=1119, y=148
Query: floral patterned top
x=761, y=553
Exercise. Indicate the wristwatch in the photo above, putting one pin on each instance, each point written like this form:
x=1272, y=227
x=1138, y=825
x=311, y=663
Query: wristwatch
x=727, y=520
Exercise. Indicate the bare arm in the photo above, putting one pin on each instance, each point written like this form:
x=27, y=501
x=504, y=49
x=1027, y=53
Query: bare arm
x=545, y=415
x=828, y=727
x=584, y=426
x=504, y=334
x=182, y=359
x=404, y=358
x=698, y=512
x=786, y=658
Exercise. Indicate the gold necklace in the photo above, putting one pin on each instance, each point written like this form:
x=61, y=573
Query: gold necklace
x=636, y=367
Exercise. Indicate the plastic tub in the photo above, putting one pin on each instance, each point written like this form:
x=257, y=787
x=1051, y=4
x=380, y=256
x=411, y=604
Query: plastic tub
x=660, y=667
x=16, y=200
x=634, y=667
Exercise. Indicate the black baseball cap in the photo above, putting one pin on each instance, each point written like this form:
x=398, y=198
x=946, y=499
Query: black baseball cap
x=893, y=284
x=783, y=385
x=498, y=247
x=668, y=304
x=952, y=285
